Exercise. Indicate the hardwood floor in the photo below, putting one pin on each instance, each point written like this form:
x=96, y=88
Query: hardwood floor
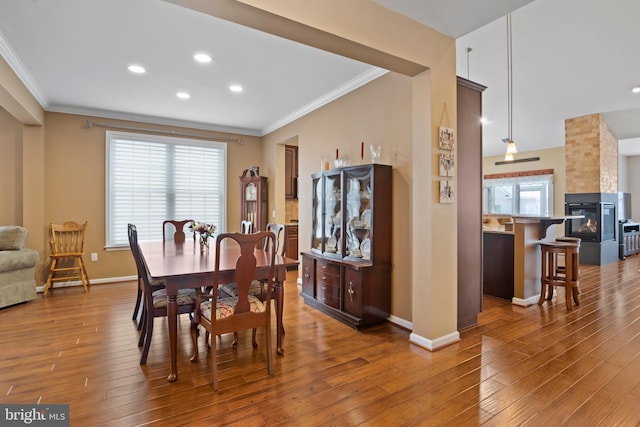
x=518, y=366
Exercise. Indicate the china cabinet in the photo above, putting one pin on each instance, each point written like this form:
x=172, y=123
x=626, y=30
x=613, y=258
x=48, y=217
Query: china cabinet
x=347, y=271
x=254, y=199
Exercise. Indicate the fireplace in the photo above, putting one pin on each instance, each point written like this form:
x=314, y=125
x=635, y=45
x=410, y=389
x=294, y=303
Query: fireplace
x=597, y=228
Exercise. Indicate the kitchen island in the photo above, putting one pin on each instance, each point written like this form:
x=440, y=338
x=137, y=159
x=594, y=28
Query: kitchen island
x=529, y=232
x=522, y=265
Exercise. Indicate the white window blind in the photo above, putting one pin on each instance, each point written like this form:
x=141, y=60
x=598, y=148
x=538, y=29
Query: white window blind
x=152, y=178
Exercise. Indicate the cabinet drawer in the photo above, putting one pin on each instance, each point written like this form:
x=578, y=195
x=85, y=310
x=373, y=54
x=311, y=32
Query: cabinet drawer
x=327, y=268
x=329, y=292
x=328, y=284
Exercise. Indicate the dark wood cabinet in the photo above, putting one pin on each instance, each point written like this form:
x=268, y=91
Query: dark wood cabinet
x=291, y=172
x=498, y=265
x=292, y=241
x=254, y=199
x=347, y=272
x=469, y=198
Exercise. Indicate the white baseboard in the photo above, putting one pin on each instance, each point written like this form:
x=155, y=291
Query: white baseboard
x=435, y=344
x=40, y=288
x=400, y=322
x=525, y=302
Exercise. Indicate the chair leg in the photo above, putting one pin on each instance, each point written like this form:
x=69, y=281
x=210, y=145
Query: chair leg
x=234, y=344
x=194, y=341
x=214, y=363
x=576, y=292
x=142, y=326
x=254, y=343
x=148, y=327
x=49, y=284
x=267, y=334
x=84, y=275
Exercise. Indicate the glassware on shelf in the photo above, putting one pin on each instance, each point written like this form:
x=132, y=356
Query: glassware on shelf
x=375, y=153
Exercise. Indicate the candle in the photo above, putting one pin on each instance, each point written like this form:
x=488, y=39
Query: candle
x=337, y=157
x=362, y=150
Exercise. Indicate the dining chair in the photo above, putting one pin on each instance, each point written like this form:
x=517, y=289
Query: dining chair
x=67, y=250
x=244, y=311
x=175, y=229
x=246, y=227
x=155, y=302
x=257, y=286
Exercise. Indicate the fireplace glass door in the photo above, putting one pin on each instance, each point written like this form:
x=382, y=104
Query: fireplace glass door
x=585, y=228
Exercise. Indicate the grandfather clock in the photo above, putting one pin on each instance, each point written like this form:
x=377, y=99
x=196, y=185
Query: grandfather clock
x=254, y=198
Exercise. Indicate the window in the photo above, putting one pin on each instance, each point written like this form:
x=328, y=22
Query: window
x=523, y=195
x=151, y=178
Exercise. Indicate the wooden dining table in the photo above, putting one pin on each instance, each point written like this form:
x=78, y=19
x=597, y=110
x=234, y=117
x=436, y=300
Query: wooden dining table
x=183, y=265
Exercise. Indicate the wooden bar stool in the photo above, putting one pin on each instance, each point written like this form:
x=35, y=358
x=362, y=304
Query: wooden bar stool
x=575, y=240
x=551, y=276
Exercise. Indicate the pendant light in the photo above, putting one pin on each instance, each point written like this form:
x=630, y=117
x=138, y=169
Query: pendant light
x=511, y=146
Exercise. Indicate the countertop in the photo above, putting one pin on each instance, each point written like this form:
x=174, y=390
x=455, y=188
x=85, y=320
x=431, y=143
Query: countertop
x=496, y=230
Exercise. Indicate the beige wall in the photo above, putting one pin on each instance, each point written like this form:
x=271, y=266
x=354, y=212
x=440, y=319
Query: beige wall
x=10, y=170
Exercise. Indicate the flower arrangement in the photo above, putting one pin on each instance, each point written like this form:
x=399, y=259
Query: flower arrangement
x=204, y=230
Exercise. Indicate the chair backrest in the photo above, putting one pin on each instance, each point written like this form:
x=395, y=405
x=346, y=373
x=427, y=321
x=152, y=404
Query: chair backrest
x=246, y=265
x=67, y=238
x=141, y=265
x=177, y=228
x=246, y=227
x=280, y=238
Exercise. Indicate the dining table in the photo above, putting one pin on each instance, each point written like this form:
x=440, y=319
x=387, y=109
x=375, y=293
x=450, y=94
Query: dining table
x=185, y=265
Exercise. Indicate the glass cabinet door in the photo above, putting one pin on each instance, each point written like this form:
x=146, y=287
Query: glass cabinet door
x=317, y=231
x=359, y=213
x=333, y=215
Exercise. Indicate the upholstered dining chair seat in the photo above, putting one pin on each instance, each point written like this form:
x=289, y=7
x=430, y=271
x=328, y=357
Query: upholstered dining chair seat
x=231, y=289
x=185, y=297
x=227, y=306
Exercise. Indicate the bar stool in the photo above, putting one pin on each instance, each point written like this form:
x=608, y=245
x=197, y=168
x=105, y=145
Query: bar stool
x=551, y=276
x=575, y=240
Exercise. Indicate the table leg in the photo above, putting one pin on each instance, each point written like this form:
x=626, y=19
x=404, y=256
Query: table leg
x=172, y=319
x=279, y=311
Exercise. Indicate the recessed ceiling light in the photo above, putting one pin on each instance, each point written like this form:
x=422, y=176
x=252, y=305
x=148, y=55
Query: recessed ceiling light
x=183, y=95
x=484, y=120
x=137, y=69
x=635, y=89
x=235, y=88
x=202, y=58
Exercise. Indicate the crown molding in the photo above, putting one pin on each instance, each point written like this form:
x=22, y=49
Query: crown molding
x=116, y=115
x=349, y=86
x=21, y=71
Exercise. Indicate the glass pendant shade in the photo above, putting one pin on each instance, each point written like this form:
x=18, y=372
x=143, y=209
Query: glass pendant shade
x=511, y=148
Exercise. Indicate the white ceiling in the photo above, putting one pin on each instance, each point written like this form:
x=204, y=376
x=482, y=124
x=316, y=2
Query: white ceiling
x=570, y=58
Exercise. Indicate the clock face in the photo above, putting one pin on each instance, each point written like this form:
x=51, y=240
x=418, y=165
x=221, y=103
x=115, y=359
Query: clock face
x=250, y=192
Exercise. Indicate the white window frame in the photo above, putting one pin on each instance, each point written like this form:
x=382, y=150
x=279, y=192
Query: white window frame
x=515, y=182
x=149, y=222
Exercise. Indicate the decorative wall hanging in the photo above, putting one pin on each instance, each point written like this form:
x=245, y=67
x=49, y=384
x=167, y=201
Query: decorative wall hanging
x=447, y=164
x=446, y=138
x=447, y=191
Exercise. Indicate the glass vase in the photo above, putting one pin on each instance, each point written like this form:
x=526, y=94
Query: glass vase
x=204, y=244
